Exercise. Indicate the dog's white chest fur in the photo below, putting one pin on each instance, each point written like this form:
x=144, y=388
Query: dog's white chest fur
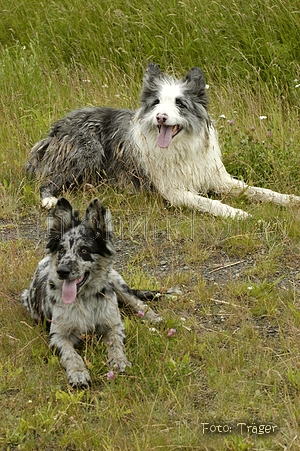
x=191, y=163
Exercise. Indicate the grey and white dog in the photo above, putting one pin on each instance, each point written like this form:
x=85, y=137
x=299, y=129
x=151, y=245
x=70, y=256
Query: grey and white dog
x=169, y=144
x=76, y=290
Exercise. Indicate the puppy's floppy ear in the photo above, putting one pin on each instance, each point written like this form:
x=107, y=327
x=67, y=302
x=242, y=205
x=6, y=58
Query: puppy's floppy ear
x=196, y=85
x=61, y=219
x=98, y=218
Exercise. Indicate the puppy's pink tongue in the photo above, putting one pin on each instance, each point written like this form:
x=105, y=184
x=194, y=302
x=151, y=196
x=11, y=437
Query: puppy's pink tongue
x=69, y=291
x=165, y=136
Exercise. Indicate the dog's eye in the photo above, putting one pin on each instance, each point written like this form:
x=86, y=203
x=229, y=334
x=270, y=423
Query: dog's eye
x=180, y=104
x=155, y=102
x=83, y=250
x=61, y=250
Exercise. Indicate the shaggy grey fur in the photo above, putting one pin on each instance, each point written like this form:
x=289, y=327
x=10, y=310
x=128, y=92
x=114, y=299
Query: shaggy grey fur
x=94, y=144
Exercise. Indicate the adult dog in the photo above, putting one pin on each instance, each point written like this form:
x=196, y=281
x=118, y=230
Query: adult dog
x=76, y=290
x=169, y=144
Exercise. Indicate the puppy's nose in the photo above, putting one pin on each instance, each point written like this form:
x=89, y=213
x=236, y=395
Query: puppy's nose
x=63, y=272
x=161, y=118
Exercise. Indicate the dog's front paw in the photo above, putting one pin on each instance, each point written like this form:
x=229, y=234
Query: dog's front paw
x=79, y=378
x=235, y=213
x=121, y=366
x=294, y=200
x=49, y=202
x=118, y=363
x=241, y=214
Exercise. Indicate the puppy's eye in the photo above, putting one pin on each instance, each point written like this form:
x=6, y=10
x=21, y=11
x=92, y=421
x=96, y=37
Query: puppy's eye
x=155, y=102
x=83, y=251
x=61, y=250
x=180, y=104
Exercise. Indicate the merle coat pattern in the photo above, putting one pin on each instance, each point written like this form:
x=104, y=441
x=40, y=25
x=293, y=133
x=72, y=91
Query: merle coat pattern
x=169, y=144
x=76, y=290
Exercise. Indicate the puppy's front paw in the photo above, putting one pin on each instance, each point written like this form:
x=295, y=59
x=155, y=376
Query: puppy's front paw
x=121, y=366
x=79, y=379
x=117, y=361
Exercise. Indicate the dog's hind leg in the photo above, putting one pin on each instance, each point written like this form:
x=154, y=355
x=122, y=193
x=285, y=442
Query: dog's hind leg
x=127, y=298
x=151, y=295
x=190, y=199
x=236, y=187
x=148, y=295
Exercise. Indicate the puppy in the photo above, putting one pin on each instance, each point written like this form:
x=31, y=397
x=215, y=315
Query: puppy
x=76, y=290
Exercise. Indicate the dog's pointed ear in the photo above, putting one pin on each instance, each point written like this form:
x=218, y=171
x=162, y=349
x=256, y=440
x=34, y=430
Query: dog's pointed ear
x=151, y=77
x=196, y=85
x=152, y=71
x=98, y=218
x=61, y=219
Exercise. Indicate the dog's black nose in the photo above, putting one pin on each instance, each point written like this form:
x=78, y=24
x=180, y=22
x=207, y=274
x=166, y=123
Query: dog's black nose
x=63, y=272
x=161, y=118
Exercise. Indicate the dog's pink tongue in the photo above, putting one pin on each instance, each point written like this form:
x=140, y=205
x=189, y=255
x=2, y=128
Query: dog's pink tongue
x=69, y=291
x=165, y=136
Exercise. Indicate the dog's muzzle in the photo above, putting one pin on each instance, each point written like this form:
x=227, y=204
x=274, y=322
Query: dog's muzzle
x=63, y=272
x=70, y=288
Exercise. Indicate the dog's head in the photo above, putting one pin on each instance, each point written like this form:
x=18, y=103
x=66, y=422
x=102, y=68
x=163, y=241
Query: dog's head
x=172, y=107
x=80, y=250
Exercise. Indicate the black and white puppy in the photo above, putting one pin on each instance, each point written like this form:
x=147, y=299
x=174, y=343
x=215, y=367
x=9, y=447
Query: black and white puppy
x=76, y=290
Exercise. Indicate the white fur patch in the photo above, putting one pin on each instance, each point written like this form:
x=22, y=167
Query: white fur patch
x=49, y=202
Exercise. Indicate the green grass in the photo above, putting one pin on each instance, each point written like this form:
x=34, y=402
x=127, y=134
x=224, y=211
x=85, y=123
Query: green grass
x=235, y=356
